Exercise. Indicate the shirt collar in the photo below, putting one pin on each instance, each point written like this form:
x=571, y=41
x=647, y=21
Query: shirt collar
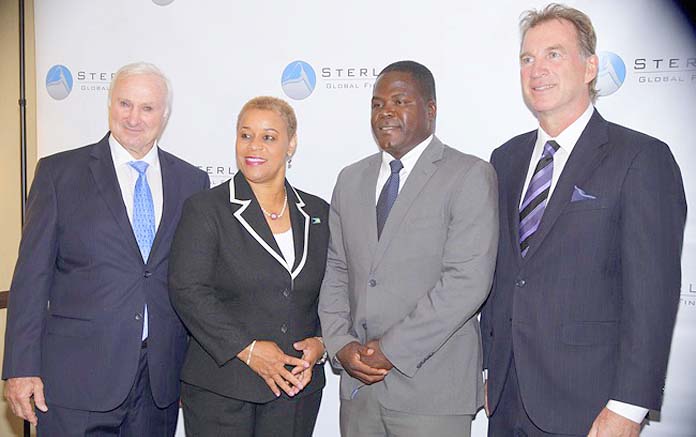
x=411, y=157
x=121, y=156
x=570, y=135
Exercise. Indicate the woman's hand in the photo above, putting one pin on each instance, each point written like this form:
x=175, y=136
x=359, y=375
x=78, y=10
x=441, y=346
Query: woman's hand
x=269, y=361
x=312, y=349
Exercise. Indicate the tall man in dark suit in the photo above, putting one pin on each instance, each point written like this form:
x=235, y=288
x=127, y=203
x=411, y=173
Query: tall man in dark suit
x=579, y=321
x=414, y=233
x=91, y=334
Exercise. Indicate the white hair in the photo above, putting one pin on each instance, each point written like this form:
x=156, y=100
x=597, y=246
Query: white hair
x=138, y=68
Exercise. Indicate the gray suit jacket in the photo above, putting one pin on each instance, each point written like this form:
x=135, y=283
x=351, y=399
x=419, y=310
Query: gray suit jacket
x=419, y=287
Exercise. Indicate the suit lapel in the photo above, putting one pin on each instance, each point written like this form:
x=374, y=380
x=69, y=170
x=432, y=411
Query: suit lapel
x=419, y=176
x=517, y=172
x=366, y=204
x=170, y=194
x=300, y=222
x=106, y=181
x=587, y=154
x=251, y=217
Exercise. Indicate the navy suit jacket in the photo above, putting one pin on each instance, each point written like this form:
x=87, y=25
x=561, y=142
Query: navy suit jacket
x=80, y=284
x=589, y=311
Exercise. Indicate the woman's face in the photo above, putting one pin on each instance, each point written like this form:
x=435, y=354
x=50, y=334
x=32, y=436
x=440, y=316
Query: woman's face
x=263, y=146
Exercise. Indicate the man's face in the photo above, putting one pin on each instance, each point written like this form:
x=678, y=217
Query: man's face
x=554, y=73
x=401, y=116
x=137, y=112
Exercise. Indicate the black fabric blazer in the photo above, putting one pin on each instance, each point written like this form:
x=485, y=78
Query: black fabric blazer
x=229, y=283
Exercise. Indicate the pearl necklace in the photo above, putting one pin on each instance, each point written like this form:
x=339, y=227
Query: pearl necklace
x=273, y=215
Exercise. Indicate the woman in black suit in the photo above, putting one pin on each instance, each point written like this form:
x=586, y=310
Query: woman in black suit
x=246, y=266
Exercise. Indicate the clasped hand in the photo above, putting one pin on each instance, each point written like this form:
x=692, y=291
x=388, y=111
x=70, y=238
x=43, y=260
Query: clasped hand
x=365, y=362
x=269, y=362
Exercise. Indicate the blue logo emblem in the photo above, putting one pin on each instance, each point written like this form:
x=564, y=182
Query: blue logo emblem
x=59, y=82
x=298, y=80
x=612, y=73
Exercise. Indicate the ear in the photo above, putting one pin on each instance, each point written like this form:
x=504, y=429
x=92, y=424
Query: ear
x=591, y=68
x=431, y=109
x=292, y=146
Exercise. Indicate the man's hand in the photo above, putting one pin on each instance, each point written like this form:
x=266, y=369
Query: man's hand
x=610, y=424
x=352, y=357
x=18, y=392
x=376, y=359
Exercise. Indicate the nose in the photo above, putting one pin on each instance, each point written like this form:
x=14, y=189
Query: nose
x=539, y=68
x=133, y=117
x=387, y=111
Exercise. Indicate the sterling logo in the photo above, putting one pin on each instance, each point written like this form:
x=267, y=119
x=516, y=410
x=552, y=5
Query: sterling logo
x=59, y=82
x=612, y=73
x=298, y=80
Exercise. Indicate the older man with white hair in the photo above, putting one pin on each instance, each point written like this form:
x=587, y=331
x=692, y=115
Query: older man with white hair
x=91, y=334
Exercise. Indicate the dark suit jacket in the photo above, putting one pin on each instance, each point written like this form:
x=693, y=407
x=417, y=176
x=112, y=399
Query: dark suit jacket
x=589, y=311
x=229, y=287
x=80, y=284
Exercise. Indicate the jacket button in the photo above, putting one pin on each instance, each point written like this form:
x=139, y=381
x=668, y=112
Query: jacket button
x=286, y=292
x=147, y=273
x=138, y=316
x=284, y=328
x=520, y=283
x=372, y=283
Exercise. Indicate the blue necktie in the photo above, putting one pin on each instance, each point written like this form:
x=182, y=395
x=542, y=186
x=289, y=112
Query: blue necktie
x=534, y=204
x=143, y=219
x=388, y=195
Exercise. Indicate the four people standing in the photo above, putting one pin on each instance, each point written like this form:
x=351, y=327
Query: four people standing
x=586, y=224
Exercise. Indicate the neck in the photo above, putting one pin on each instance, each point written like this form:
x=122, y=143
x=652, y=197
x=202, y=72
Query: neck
x=554, y=124
x=271, y=194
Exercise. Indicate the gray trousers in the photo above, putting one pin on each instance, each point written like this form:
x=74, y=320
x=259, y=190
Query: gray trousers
x=363, y=416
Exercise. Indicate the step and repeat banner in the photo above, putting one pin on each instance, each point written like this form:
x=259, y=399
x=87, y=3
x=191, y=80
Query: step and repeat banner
x=323, y=58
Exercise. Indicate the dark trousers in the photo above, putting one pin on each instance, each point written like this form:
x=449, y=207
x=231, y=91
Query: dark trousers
x=137, y=416
x=207, y=414
x=510, y=418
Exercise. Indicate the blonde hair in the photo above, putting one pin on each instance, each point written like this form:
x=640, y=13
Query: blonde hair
x=279, y=106
x=587, y=38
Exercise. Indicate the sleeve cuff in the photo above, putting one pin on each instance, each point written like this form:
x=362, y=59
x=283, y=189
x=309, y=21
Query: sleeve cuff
x=629, y=411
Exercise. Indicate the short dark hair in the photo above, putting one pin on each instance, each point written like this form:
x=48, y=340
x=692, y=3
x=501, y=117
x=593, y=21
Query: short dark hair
x=423, y=76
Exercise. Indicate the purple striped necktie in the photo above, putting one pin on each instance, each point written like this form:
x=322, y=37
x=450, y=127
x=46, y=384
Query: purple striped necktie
x=534, y=204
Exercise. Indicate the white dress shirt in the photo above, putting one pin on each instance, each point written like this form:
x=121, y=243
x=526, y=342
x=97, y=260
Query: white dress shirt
x=567, y=140
x=287, y=246
x=127, y=177
x=408, y=161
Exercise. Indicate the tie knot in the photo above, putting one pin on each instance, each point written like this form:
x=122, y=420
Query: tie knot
x=550, y=148
x=139, y=166
x=396, y=166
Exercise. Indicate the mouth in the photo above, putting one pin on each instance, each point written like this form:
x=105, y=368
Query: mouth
x=541, y=88
x=387, y=128
x=254, y=160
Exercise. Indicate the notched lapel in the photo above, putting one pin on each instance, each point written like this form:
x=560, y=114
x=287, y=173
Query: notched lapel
x=106, y=181
x=366, y=204
x=587, y=155
x=521, y=154
x=170, y=196
x=422, y=172
x=251, y=217
x=300, y=222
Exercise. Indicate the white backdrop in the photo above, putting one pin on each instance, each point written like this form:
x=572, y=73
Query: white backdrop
x=220, y=54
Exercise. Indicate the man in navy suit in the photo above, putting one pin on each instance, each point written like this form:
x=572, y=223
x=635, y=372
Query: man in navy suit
x=578, y=325
x=91, y=334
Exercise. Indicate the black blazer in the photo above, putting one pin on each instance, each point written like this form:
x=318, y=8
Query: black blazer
x=79, y=253
x=229, y=284
x=589, y=310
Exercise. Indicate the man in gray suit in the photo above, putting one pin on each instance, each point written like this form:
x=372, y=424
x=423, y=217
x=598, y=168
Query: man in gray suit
x=414, y=231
